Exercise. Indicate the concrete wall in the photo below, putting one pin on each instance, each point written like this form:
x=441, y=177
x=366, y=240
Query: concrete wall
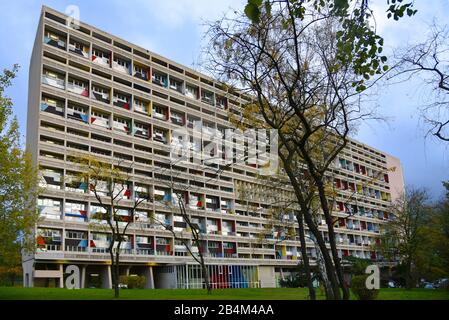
x=397, y=185
x=267, y=277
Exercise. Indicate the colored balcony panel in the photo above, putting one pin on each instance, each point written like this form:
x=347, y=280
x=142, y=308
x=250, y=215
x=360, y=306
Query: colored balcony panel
x=48, y=240
x=55, y=39
x=100, y=119
x=160, y=78
x=145, y=245
x=100, y=242
x=101, y=93
x=75, y=211
x=51, y=178
x=53, y=78
x=122, y=125
x=76, y=241
x=121, y=64
x=50, y=208
x=74, y=183
x=78, y=112
x=142, y=106
x=78, y=86
x=122, y=100
x=101, y=57
x=141, y=72
x=52, y=105
x=79, y=47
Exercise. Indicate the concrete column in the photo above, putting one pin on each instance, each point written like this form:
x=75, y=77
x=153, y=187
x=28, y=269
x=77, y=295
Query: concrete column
x=107, y=278
x=149, y=280
x=61, y=277
x=83, y=277
x=127, y=269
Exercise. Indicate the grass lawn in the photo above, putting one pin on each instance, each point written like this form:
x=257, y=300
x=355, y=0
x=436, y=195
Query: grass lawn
x=222, y=294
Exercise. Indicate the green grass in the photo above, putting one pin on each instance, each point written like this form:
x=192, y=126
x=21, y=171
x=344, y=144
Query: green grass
x=222, y=294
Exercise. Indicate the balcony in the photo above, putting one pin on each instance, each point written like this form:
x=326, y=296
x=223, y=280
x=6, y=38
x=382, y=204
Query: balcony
x=141, y=72
x=53, y=107
x=142, y=106
x=121, y=65
x=177, y=118
x=54, y=40
x=78, y=113
x=142, y=131
x=79, y=49
x=207, y=97
x=160, y=79
x=176, y=85
x=160, y=136
x=100, y=120
x=101, y=58
x=122, y=101
x=100, y=94
x=54, y=80
x=191, y=92
x=78, y=87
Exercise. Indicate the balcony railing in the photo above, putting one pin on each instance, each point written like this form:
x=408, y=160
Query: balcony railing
x=54, y=82
x=83, y=91
x=78, y=51
x=58, y=43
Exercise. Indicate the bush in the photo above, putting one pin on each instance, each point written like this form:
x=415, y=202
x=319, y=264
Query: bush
x=133, y=282
x=360, y=290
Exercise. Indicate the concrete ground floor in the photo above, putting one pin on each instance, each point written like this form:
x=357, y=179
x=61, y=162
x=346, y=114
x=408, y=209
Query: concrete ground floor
x=164, y=276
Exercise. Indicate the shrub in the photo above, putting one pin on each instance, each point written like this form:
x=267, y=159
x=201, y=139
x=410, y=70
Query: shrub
x=360, y=290
x=133, y=282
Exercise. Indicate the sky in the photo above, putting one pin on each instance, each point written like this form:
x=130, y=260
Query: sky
x=175, y=29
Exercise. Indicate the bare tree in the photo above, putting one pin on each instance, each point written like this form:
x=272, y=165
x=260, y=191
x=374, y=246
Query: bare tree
x=108, y=182
x=429, y=60
x=300, y=88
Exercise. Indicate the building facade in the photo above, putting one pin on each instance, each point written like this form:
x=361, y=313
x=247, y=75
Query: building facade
x=95, y=94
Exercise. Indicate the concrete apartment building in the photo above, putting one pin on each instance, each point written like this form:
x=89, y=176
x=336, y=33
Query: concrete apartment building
x=91, y=92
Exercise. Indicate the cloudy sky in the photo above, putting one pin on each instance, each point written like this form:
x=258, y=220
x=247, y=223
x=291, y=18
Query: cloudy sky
x=174, y=28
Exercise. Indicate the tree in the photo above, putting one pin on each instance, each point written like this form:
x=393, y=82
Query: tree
x=432, y=260
x=304, y=65
x=108, y=182
x=18, y=184
x=429, y=60
x=403, y=235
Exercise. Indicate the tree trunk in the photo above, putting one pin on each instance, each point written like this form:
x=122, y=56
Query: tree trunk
x=305, y=258
x=117, y=274
x=333, y=245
